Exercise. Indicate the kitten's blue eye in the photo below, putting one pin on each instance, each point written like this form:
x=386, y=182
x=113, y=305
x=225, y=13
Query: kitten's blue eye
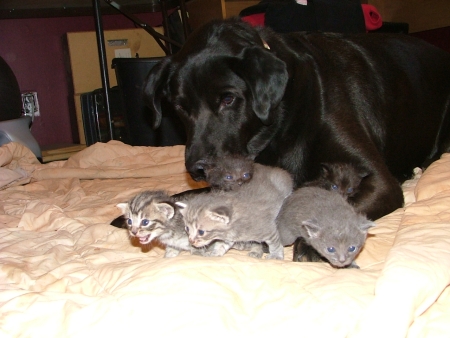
x=129, y=221
x=229, y=177
x=145, y=222
x=246, y=175
x=201, y=232
x=331, y=249
x=351, y=248
x=350, y=190
x=334, y=187
x=186, y=229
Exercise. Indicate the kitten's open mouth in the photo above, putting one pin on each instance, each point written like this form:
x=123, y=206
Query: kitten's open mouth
x=144, y=240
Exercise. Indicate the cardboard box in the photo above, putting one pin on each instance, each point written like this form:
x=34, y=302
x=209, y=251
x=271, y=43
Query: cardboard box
x=84, y=59
x=85, y=65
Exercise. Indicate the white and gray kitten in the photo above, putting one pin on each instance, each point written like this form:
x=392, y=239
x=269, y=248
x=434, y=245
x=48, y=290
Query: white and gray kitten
x=246, y=214
x=326, y=222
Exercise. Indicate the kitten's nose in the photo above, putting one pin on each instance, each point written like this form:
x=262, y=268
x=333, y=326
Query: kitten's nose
x=134, y=231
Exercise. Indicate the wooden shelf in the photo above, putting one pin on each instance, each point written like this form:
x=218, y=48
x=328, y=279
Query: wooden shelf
x=58, y=152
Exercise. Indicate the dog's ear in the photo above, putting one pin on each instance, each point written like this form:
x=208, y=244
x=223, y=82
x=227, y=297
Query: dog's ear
x=267, y=77
x=156, y=88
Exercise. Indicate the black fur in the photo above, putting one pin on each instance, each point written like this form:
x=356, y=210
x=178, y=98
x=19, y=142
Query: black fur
x=379, y=102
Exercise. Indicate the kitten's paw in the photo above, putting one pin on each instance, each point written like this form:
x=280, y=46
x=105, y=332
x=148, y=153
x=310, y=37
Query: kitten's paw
x=198, y=252
x=214, y=253
x=255, y=254
x=171, y=252
x=275, y=256
x=353, y=265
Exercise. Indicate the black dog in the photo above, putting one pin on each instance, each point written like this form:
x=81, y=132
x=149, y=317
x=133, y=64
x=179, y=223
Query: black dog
x=380, y=102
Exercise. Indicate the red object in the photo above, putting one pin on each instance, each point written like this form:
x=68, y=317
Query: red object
x=255, y=19
x=371, y=17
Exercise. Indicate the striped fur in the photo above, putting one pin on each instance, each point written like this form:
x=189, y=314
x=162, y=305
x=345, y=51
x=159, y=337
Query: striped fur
x=153, y=215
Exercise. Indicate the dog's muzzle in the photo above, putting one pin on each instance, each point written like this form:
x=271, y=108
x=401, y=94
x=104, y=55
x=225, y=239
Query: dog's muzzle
x=197, y=170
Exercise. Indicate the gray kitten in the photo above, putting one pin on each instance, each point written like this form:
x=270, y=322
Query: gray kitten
x=343, y=178
x=154, y=215
x=246, y=214
x=326, y=222
x=229, y=172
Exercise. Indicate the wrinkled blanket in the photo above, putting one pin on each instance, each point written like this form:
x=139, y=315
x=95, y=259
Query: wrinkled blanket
x=66, y=272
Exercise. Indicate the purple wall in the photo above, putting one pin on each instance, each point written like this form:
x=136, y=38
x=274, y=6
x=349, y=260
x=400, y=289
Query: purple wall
x=34, y=50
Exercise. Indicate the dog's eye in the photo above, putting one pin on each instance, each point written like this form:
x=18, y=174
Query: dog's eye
x=227, y=100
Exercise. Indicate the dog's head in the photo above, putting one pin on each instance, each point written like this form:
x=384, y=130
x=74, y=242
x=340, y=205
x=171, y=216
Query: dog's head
x=226, y=87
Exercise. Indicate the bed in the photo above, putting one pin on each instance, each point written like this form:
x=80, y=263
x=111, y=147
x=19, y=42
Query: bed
x=65, y=271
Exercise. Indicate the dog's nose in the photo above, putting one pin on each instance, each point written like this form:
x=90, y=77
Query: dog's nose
x=197, y=170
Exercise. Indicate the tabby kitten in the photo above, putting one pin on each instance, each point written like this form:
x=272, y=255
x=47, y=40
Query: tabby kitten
x=343, y=178
x=246, y=214
x=326, y=222
x=229, y=172
x=152, y=215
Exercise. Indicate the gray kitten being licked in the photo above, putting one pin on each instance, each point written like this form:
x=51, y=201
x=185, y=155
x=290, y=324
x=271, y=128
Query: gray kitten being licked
x=246, y=214
x=326, y=222
x=229, y=172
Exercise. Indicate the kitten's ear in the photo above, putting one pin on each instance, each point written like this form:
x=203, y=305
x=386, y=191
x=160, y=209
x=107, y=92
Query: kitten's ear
x=325, y=168
x=366, y=225
x=166, y=209
x=123, y=207
x=220, y=214
x=363, y=174
x=182, y=207
x=311, y=227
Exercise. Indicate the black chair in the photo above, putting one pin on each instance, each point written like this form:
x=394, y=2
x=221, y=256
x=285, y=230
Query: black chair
x=166, y=43
x=13, y=126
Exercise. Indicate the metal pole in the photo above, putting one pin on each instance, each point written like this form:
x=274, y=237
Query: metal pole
x=103, y=63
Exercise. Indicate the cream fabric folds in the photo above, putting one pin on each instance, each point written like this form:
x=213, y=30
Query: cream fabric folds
x=66, y=272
